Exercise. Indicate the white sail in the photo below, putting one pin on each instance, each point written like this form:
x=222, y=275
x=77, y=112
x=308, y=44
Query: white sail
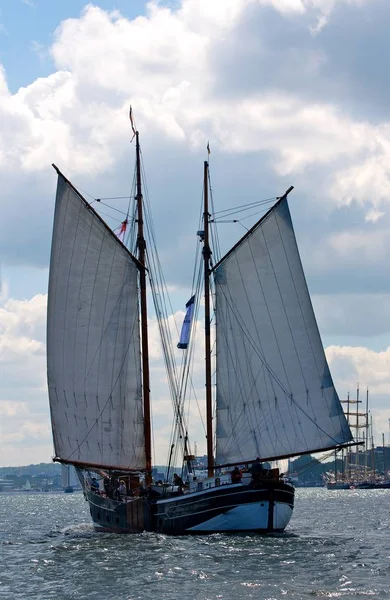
x=93, y=340
x=275, y=394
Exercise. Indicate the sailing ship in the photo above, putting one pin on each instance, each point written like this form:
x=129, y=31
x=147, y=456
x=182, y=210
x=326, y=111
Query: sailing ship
x=275, y=396
x=358, y=468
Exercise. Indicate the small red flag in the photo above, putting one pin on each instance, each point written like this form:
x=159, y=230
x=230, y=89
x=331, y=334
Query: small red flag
x=124, y=226
x=120, y=232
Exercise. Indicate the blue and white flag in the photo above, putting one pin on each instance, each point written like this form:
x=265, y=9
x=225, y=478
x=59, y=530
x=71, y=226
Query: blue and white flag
x=186, y=328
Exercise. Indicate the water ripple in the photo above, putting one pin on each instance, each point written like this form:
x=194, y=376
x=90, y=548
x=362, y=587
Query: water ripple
x=336, y=547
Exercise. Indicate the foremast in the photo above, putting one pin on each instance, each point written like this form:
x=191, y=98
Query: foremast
x=206, y=259
x=141, y=246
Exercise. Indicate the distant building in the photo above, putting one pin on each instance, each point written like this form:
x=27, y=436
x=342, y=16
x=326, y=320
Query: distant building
x=6, y=484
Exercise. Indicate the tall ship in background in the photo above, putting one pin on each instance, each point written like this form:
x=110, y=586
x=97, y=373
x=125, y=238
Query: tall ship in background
x=366, y=466
x=274, y=395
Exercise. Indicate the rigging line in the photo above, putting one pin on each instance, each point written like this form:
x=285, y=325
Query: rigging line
x=133, y=209
x=239, y=220
x=264, y=296
x=216, y=222
x=301, y=311
x=161, y=311
x=234, y=314
x=189, y=376
x=267, y=306
x=113, y=198
x=163, y=323
x=309, y=467
x=184, y=382
x=251, y=312
x=280, y=384
x=171, y=384
x=226, y=326
x=254, y=214
x=214, y=234
x=246, y=206
x=163, y=281
x=156, y=266
x=122, y=212
x=253, y=419
x=197, y=253
x=164, y=331
x=165, y=336
x=85, y=192
x=132, y=233
x=132, y=196
x=187, y=359
x=109, y=217
x=296, y=292
x=260, y=209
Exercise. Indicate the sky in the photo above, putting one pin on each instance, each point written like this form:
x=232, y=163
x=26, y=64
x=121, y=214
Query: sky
x=288, y=92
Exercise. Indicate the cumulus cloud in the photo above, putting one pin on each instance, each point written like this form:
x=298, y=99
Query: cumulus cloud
x=275, y=86
x=75, y=116
x=24, y=413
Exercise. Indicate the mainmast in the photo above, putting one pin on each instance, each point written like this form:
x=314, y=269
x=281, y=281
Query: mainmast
x=141, y=245
x=206, y=258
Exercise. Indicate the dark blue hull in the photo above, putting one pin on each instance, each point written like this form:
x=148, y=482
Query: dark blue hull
x=266, y=507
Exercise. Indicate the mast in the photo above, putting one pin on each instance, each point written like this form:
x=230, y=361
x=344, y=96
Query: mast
x=372, y=450
x=366, y=444
x=206, y=258
x=384, y=454
x=349, y=450
x=141, y=245
x=357, y=471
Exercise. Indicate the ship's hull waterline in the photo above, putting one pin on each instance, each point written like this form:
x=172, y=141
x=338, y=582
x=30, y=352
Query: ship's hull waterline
x=235, y=508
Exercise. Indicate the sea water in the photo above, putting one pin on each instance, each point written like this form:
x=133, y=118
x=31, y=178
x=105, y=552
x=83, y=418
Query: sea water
x=336, y=546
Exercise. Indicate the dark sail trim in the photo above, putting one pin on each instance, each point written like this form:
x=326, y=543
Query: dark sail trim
x=252, y=229
x=80, y=464
x=89, y=206
x=283, y=456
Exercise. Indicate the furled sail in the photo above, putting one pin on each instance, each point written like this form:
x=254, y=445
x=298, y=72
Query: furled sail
x=275, y=394
x=93, y=340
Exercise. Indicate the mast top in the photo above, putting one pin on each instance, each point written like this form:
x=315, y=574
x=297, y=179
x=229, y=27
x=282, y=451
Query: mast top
x=286, y=193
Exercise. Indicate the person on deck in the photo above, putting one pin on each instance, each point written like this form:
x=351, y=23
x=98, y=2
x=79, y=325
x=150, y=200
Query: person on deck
x=257, y=470
x=236, y=475
x=177, y=481
x=122, y=490
x=94, y=485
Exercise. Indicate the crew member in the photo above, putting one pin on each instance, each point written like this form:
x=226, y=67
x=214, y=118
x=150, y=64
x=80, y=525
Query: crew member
x=257, y=470
x=236, y=475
